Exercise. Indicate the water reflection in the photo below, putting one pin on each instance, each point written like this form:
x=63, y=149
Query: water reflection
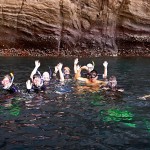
x=73, y=116
x=117, y=115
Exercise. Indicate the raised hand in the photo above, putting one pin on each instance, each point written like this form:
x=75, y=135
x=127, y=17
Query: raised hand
x=76, y=61
x=59, y=66
x=28, y=84
x=56, y=69
x=78, y=67
x=105, y=64
x=37, y=63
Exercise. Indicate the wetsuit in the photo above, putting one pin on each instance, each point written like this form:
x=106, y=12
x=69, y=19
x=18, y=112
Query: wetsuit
x=12, y=89
x=37, y=89
x=67, y=76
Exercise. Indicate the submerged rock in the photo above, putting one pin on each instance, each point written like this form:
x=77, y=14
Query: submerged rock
x=76, y=28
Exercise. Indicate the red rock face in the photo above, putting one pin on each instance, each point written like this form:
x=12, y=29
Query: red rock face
x=76, y=27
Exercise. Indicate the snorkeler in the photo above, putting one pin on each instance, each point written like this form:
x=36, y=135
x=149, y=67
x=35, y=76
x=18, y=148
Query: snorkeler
x=92, y=77
x=65, y=72
x=112, y=85
x=8, y=85
x=62, y=86
x=36, y=82
x=45, y=76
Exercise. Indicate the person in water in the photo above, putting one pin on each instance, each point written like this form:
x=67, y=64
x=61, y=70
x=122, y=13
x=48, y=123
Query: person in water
x=112, y=85
x=8, y=85
x=62, y=86
x=65, y=72
x=36, y=82
x=92, y=77
x=45, y=76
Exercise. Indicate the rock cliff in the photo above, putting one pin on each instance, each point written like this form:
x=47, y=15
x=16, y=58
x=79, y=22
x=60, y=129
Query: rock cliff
x=75, y=27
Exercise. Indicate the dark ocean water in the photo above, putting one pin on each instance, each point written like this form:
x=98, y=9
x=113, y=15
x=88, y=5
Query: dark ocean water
x=73, y=116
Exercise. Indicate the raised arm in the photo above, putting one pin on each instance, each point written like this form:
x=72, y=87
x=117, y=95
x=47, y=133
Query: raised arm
x=105, y=64
x=76, y=61
x=78, y=74
x=55, y=71
x=37, y=65
x=59, y=66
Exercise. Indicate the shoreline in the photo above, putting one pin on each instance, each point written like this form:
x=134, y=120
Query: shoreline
x=13, y=52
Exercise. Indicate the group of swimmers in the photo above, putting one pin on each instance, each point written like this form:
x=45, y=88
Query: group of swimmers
x=37, y=81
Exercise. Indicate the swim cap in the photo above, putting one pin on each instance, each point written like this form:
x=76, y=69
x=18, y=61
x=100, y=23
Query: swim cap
x=46, y=76
x=90, y=67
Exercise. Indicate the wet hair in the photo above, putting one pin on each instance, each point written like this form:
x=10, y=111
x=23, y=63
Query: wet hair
x=112, y=78
x=92, y=74
x=66, y=68
x=36, y=76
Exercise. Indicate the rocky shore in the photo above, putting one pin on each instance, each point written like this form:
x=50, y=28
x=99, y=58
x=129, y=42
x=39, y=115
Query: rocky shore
x=65, y=53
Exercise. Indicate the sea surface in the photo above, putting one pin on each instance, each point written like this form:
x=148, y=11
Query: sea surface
x=75, y=117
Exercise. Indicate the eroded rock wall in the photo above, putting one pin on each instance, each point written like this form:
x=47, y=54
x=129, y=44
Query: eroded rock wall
x=86, y=27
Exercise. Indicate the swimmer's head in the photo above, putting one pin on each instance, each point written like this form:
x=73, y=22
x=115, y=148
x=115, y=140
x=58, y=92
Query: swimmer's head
x=90, y=67
x=7, y=80
x=37, y=81
x=112, y=83
x=46, y=76
x=66, y=70
x=93, y=75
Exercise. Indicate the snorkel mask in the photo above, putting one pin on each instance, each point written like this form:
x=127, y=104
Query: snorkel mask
x=93, y=74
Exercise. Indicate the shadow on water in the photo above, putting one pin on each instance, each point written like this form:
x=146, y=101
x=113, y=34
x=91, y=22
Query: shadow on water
x=73, y=116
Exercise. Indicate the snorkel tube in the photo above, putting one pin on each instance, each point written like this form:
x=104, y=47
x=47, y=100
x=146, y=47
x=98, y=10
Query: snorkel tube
x=12, y=77
x=50, y=72
x=38, y=72
x=93, y=63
